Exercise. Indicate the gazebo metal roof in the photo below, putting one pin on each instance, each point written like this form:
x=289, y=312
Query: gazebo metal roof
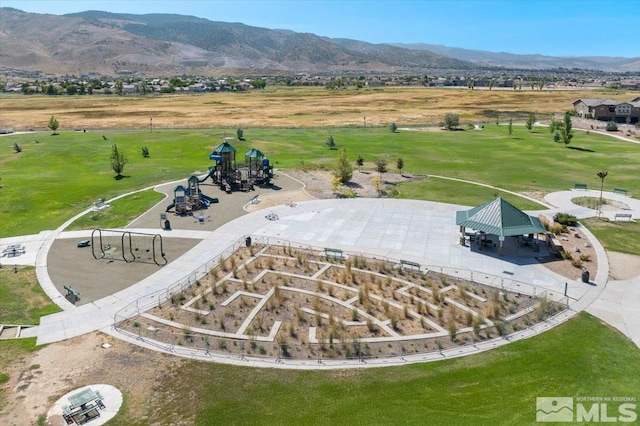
x=498, y=217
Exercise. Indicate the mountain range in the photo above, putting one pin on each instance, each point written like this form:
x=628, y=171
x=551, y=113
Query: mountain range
x=159, y=44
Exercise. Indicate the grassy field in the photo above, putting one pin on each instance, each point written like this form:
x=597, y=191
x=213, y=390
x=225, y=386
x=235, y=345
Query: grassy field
x=616, y=236
x=22, y=300
x=120, y=212
x=39, y=194
x=290, y=107
x=579, y=358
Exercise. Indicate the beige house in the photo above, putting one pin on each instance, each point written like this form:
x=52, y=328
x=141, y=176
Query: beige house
x=609, y=110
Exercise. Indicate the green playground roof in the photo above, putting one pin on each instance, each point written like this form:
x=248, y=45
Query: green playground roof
x=223, y=148
x=254, y=153
x=498, y=217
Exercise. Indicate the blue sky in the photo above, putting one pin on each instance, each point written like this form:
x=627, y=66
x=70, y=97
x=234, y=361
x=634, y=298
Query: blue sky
x=556, y=28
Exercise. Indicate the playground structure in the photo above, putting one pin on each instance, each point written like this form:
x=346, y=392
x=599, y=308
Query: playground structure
x=128, y=246
x=230, y=177
x=190, y=199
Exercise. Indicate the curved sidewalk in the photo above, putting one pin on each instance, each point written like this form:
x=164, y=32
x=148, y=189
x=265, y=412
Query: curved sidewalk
x=420, y=231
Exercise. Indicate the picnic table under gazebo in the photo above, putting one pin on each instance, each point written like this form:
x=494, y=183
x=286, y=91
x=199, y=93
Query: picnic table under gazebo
x=499, y=217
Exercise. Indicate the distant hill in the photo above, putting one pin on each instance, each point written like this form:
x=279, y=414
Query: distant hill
x=105, y=42
x=511, y=60
x=170, y=44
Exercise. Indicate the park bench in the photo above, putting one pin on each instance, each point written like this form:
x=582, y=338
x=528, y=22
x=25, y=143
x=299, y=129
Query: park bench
x=71, y=292
x=580, y=186
x=626, y=216
x=620, y=191
x=409, y=265
x=84, y=243
x=331, y=253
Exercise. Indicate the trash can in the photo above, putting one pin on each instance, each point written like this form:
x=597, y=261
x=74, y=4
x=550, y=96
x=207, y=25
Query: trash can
x=167, y=225
x=585, y=275
x=248, y=241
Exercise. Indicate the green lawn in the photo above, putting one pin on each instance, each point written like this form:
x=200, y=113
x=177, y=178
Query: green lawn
x=448, y=191
x=577, y=359
x=120, y=212
x=22, y=300
x=55, y=177
x=623, y=237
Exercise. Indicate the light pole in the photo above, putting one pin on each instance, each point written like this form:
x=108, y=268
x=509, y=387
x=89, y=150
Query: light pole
x=151, y=124
x=602, y=174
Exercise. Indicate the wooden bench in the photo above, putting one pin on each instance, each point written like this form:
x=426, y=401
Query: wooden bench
x=407, y=264
x=627, y=216
x=620, y=191
x=71, y=292
x=580, y=186
x=331, y=253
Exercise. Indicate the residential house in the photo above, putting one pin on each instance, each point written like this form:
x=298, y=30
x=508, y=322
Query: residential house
x=609, y=110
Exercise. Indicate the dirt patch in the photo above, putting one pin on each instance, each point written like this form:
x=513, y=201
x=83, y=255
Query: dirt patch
x=583, y=255
x=317, y=182
x=623, y=266
x=38, y=380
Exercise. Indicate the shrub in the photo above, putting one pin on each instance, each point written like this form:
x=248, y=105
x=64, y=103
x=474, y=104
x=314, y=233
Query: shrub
x=612, y=126
x=566, y=219
x=17, y=148
x=585, y=258
x=451, y=121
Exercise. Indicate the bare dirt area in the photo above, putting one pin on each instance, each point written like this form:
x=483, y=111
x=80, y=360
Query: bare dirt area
x=623, y=266
x=582, y=255
x=38, y=380
x=317, y=182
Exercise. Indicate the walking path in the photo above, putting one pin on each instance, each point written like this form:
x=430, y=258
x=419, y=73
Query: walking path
x=420, y=231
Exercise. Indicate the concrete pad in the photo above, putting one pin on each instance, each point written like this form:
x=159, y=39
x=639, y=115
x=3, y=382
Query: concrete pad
x=112, y=402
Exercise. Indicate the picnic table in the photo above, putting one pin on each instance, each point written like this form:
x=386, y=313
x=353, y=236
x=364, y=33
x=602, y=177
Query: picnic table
x=83, y=407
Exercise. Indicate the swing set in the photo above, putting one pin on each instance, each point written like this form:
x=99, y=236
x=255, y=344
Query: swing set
x=128, y=246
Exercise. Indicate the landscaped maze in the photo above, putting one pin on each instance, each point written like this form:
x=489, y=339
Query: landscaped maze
x=292, y=303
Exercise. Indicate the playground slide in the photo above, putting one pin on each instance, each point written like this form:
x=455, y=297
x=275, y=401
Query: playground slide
x=170, y=206
x=209, y=175
x=207, y=200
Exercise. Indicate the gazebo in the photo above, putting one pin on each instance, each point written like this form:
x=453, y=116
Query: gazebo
x=498, y=217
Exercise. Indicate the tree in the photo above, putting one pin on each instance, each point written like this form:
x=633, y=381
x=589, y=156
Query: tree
x=17, y=148
x=556, y=137
x=553, y=125
x=510, y=127
x=145, y=152
x=72, y=89
x=565, y=131
x=393, y=127
x=359, y=162
x=119, y=87
x=400, y=164
x=491, y=83
x=53, y=124
x=381, y=165
x=240, y=134
x=531, y=119
x=52, y=90
x=451, y=121
x=343, y=169
x=118, y=160
x=331, y=143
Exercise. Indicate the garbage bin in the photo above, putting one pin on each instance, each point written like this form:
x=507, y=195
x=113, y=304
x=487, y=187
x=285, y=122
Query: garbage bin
x=585, y=276
x=167, y=225
x=248, y=241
